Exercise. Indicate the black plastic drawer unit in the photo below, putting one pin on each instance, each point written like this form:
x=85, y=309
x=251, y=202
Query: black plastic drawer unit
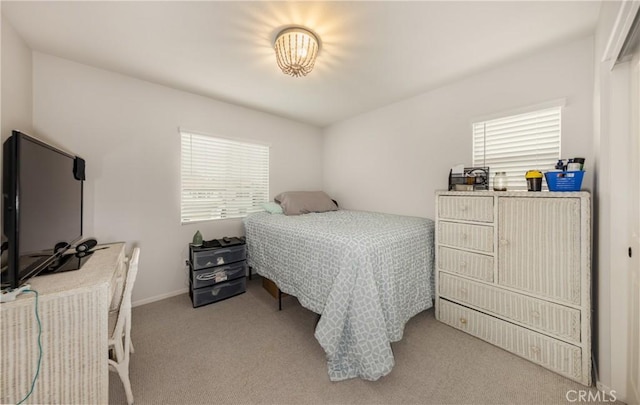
x=217, y=270
x=217, y=292
x=218, y=274
x=202, y=258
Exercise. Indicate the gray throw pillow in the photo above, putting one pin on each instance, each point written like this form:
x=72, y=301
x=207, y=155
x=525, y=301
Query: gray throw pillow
x=304, y=202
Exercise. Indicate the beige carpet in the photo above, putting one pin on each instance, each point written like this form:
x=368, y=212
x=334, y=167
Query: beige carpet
x=244, y=351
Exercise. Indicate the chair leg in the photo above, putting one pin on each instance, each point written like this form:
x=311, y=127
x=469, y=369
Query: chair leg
x=127, y=386
x=131, y=350
x=123, y=372
x=279, y=300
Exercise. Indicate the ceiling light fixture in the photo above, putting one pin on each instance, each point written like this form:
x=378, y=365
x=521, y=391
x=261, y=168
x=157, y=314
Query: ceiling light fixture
x=296, y=50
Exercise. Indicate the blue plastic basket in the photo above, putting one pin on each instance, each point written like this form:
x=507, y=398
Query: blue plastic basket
x=564, y=181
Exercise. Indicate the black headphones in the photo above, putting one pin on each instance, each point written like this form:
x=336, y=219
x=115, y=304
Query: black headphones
x=84, y=248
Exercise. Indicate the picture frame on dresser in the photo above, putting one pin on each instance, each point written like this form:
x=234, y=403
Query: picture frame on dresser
x=514, y=269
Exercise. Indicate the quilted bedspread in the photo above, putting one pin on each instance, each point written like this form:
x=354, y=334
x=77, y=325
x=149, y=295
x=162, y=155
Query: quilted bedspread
x=365, y=273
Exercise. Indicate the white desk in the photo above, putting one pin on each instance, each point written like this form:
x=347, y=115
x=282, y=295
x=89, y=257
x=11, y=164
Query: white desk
x=74, y=310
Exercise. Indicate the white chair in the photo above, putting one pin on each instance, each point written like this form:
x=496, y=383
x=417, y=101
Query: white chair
x=120, y=345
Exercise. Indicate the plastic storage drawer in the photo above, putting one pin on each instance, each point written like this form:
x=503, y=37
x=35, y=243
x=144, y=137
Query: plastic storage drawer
x=202, y=257
x=217, y=292
x=219, y=274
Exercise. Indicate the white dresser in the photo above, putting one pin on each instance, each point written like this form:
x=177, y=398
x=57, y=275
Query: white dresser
x=514, y=269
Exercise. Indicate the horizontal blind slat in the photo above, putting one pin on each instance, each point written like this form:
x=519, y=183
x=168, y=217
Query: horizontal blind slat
x=515, y=144
x=222, y=178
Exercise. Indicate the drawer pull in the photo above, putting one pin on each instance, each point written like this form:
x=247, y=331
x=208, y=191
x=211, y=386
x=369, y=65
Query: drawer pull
x=464, y=208
x=535, y=314
x=463, y=321
x=504, y=242
x=463, y=291
x=535, y=350
x=463, y=264
x=463, y=236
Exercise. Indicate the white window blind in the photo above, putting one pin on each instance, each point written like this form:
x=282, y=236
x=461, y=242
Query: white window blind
x=222, y=178
x=518, y=143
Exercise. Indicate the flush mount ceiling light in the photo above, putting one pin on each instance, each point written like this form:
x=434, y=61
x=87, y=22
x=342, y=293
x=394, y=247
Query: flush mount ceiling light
x=296, y=50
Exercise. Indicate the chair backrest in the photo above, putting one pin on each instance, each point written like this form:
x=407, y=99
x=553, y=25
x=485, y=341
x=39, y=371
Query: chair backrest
x=125, y=303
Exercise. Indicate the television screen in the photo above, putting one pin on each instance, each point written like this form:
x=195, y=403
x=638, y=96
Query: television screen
x=42, y=206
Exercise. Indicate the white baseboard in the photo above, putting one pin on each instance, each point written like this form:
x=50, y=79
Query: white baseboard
x=601, y=387
x=610, y=395
x=159, y=297
x=168, y=295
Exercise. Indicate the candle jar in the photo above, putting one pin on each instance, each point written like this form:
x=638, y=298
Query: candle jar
x=500, y=181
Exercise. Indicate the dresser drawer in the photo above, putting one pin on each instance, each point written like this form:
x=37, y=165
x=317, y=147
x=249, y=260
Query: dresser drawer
x=469, y=264
x=467, y=236
x=563, y=358
x=466, y=208
x=551, y=318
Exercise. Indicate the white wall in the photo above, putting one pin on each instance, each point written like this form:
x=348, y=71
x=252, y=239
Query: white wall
x=127, y=130
x=393, y=159
x=16, y=82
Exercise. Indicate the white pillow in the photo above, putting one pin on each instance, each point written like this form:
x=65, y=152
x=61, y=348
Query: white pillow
x=272, y=208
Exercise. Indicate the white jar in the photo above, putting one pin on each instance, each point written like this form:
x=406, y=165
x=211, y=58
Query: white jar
x=574, y=167
x=500, y=181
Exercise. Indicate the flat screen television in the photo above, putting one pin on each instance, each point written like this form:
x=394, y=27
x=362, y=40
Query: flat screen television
x=42, y=206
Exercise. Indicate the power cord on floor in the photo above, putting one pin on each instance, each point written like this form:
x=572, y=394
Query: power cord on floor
x=35, y=377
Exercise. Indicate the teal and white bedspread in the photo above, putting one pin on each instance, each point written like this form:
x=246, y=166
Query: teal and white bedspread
x=365, y=273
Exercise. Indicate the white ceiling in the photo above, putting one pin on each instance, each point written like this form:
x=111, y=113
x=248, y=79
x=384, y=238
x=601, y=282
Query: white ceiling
x=372, y=54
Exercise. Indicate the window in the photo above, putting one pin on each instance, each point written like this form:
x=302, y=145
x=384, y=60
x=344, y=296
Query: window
x=518, y=143
x=222, y=178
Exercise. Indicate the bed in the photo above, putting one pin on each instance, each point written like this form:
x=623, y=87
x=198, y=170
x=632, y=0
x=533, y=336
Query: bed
x=365, y=273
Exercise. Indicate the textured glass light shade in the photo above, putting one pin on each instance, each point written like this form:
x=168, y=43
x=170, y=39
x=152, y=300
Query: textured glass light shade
x=296, y=51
